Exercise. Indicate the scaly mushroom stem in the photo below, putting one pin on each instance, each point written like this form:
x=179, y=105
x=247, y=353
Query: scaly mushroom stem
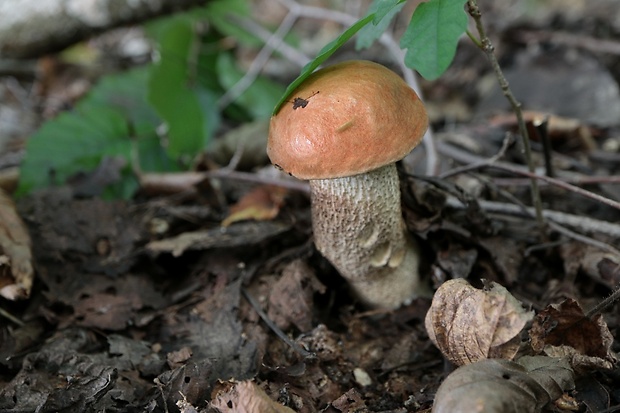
x=358, y=227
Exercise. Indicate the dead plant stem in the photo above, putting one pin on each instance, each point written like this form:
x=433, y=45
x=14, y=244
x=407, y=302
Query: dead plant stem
x=488, y=49
x=607, y=302
x=575, y=221
x=455, y=153
x=296, y=347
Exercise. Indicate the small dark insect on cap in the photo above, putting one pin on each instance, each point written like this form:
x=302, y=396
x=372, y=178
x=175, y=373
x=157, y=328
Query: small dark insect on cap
x=301, y=102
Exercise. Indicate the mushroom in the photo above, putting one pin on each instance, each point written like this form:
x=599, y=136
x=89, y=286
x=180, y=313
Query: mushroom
x=343, y=130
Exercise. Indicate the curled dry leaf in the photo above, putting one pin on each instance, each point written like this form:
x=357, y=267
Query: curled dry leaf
x=468, y=324
x=503, y=386
x=16, y=272
x=247, y=397
x=601, y=266
x=563, y=330
x=261, y=204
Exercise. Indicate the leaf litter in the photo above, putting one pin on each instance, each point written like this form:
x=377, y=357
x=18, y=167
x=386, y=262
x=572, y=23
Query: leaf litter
x=142, y=306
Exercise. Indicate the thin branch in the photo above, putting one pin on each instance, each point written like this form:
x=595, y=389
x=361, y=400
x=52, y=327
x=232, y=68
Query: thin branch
x=607, y=302
x=11, y=317
x=273, y=43
x=175, y=182
x=290, y=53
x=451, y=151
x=488, y=49
x=559, y=183
x=480, y=163
x=582, y=41
x=554, y=225
x=584, y=239
x=296, y=347
x=575, y=179
x=584, y=224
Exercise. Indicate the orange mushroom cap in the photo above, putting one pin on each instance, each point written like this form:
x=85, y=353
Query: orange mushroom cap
x=346, y=119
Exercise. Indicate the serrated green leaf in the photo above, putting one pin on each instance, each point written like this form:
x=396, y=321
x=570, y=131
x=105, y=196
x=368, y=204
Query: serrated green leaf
x=384, y=11
x=73, y=142
x=175, y=92
x=126, y=91
x=432, y=36
x=99, y=126
x=323, y=55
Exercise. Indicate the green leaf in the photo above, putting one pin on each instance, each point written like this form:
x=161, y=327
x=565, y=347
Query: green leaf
x=432, y=36
x=175, y=92
x=100, y=125
x=323, y=55
x=126, y=91
x=258, y=98
x=384, y=11
x=73, y=142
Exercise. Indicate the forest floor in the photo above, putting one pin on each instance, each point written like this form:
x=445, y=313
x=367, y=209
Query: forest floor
x=158, y=303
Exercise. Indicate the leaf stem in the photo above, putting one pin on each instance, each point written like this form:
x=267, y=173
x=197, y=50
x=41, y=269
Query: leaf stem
x=487, y=47
x=474, y=39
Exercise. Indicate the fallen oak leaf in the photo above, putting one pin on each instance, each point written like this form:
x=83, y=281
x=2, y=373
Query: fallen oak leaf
x=503, y=386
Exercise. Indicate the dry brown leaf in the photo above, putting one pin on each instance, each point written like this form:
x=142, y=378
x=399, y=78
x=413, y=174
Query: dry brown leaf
x=468, y=324
x=16, y=272
x=601, y=266
x=247, y=397
x=350, y=402
x=290, y=298
x=503, y=386
x=261, y=204
x=563, y=330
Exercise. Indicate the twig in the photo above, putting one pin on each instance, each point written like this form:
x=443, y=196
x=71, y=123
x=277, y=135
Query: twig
x=559, y=183
x=472, y=160
x=296, y=347
x=575, y=179
x=290, y=53
x=555, y=226
x=11, y=317
x=615, y=295
x=503, y=166
x=480, y=163
x=258, y=63
x=582, y=223
x=592, y=44
x=294, y=185
x=172, y=182
x=488, y=49
x=584, y=239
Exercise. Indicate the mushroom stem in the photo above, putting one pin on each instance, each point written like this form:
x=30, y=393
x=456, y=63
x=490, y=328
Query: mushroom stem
x=358, y=227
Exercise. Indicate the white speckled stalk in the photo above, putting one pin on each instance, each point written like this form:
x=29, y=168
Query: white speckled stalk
x=358, y=227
